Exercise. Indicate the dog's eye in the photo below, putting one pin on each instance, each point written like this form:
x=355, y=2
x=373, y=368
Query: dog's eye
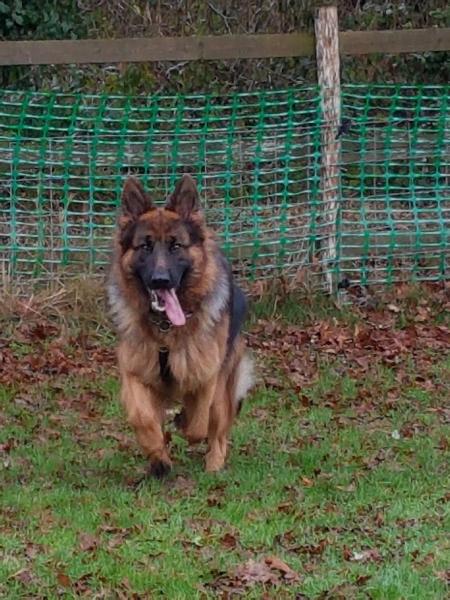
x=148, y=246
x=175, y=246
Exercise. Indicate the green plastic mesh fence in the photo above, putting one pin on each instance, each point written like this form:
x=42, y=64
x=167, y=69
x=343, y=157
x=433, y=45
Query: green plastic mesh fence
x=257, y=158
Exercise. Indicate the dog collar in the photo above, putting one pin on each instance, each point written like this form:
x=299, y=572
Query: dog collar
x=162, y=322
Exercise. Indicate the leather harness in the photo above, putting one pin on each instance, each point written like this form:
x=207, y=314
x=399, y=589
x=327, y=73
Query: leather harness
x=164, y=325
x=164, y=368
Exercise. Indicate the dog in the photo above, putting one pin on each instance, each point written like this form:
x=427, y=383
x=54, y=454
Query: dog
x=178, y=315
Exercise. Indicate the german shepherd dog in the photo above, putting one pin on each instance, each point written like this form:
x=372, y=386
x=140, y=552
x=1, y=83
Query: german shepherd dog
x=178, y=314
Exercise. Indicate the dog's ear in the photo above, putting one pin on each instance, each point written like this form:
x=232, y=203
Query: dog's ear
x=184, y=199
x=135, y=200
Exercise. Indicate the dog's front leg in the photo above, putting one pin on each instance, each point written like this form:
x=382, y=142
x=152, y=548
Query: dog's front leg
x=196, y=412
x=146, y=414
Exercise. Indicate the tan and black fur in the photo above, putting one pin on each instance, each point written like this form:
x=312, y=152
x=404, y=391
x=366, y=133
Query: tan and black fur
x=202, y=364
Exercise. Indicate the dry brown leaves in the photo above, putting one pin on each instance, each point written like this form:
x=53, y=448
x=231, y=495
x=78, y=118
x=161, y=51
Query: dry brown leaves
x=40, y=351
x=270, y=571
x=382, y=336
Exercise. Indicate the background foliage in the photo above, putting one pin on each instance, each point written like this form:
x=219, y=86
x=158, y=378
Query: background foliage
x=53, y=19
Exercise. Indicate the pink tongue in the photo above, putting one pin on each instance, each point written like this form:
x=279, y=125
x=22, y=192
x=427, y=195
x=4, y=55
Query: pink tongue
x=172, y=307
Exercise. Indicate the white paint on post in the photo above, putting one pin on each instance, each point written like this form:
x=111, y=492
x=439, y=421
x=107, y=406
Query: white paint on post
x=327, y=54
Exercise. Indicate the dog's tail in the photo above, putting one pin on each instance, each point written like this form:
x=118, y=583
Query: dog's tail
x=244, y=379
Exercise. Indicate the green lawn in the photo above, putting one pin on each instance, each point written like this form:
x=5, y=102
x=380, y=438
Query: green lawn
x=338, y=466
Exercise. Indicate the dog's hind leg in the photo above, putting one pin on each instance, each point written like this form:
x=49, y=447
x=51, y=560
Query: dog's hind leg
x=243, y=379
x=231, y=390
x=220, y=419
x=146, y=414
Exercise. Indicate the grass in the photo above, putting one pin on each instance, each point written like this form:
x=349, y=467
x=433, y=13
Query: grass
x=351, y=494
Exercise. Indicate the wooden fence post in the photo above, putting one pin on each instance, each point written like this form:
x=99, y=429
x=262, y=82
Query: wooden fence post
x=327, y=54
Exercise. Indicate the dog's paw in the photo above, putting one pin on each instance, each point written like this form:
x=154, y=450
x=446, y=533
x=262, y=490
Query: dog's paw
x=159, y=469
x=214, y=462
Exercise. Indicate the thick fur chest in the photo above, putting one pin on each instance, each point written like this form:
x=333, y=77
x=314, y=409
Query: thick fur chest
x=194, y=364
x=193, y=359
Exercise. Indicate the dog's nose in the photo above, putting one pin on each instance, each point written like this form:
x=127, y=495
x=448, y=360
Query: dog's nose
x=160, y=280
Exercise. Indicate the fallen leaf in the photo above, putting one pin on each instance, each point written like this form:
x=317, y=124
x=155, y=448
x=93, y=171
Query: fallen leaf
x=379, y=519
x=313, y=549
x=307, y=482
x=228, y=541
x=286, y=507
x=276, y=563
x=87, y=542
x=254, y=571
x=116, y=535
x=443, y=444
x=63, y=579
x=32, y=550
x=371, y=555
x=443, y=576
x=271, y=571
x=428, y=559
x=346, y=553
x=351, y=487
x=393, y=308
x=82, y=586
x=7, y=446
x=25, y=576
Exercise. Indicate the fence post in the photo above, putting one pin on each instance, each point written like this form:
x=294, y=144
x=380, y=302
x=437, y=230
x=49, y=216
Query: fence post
x=327, y=55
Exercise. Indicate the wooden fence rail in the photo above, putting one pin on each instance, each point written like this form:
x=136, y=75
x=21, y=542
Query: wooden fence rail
x=221, y=47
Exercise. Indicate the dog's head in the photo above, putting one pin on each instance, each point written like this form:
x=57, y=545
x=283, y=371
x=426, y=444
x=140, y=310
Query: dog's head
x=162, y=248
